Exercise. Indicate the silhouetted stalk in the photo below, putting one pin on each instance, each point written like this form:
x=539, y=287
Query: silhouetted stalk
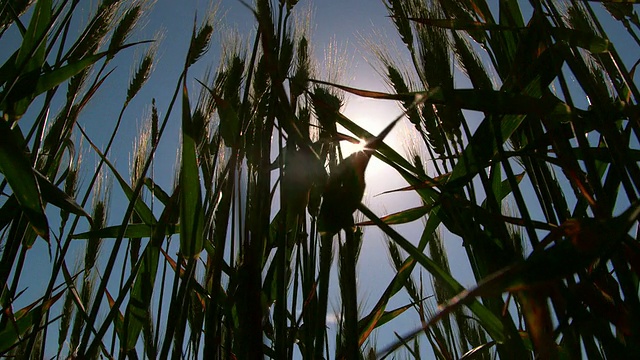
x=350, y=335
x=326, y=257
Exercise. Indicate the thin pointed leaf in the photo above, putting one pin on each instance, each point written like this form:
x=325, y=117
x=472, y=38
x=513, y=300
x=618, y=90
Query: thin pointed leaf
x=53, y=195
x=157, y=191
x=401, y=217
x=504, y=188
x=191, y=211
x=392, y=314
x=137, y=313
x=199, y=289
x=38, y=26
x=55, y=77
x=493, y=284
x=435, y=182
x=132, y=231
x=24, y=88
x=489, y=101
x=369, y=322
x=455, y=24
x=119, y=320
x=18, y=172
x=369, y=93
x=478, y=350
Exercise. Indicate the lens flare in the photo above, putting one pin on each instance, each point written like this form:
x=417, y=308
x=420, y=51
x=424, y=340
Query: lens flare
x=349, y=148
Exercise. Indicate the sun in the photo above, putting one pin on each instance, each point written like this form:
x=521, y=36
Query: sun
x=360, y=145
x=349, y=148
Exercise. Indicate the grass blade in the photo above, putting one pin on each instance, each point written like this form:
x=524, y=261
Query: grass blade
x=21, y=177
x=131, y=231
x=33, y=46
x=191, y=210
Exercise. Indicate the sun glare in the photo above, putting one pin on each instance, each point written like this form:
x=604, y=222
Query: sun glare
x=349, y=148
x=360, y=146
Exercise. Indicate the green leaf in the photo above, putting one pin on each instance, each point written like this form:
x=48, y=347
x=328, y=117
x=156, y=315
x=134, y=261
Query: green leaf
x=38, y=27
x=488, y=101
x=455, y=24
x=157, y=191
x=33, y=83
x=498, y=102
x=8, y=211
x=392, y=314
x=53, y=78
x=55, y=196
x=132, y=231
x=503, y=188
x=17, y=170
x=576, y=38
x=137, y=313
x=482, y=147
x=191, y=211
x=533, y=79
x=603, y=154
